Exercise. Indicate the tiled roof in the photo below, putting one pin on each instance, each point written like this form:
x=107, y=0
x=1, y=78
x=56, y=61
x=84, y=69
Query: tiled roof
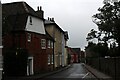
x=15, y=16
x=17, y=8
x=48, y=22
x=14, y=22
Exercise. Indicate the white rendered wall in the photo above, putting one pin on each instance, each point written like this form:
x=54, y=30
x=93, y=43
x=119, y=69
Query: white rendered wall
x=36, y=26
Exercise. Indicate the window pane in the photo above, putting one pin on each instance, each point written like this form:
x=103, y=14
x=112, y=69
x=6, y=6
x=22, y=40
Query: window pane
x=48, y=43
x=43, y=43
x=51, y=44
x=29, y=37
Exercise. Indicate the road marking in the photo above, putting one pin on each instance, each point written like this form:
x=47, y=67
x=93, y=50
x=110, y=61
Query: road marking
x=85, y=75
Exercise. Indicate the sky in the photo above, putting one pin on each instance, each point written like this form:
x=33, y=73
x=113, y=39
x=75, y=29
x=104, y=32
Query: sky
x=74, y=16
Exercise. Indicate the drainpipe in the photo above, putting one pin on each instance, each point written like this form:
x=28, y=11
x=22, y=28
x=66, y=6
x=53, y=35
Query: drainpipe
x=53, y=48
x=53, y=57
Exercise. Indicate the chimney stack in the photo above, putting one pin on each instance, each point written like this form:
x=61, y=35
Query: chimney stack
x=40, y=12
x=38, y=8
x=48, y=18
x=53, y=19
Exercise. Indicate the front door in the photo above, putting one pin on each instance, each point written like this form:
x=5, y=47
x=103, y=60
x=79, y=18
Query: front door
x=30, y=66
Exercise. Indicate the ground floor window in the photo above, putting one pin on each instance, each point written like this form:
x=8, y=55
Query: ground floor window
x=48, y=59
x=52, y=59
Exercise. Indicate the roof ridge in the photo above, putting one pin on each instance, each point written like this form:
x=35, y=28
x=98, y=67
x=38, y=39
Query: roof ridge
x=25, y=7
x=14, y=2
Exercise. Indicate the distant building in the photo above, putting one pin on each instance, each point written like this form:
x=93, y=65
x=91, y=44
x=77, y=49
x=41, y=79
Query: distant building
x=75, y=54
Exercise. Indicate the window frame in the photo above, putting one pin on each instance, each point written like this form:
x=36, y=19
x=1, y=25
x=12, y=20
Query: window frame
x=30, y=20
x=29, y=36
x=43, y=43
x=52, y=61
x=49, y=59
x=49, y=44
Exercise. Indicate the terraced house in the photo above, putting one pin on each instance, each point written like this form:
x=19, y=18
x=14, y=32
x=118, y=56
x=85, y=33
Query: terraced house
x=61, y=38
x=27, y=47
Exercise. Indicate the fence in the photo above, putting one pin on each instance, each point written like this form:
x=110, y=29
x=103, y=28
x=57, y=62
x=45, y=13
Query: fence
x=110, y=66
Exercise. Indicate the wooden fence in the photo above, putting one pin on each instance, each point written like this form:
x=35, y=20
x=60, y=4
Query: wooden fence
x=109, y=66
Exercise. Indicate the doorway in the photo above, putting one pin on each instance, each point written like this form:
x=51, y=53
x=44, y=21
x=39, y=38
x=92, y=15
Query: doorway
x=30, y=66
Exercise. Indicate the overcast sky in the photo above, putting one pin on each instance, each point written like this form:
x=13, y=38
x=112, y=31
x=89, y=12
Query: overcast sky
x=73, y=16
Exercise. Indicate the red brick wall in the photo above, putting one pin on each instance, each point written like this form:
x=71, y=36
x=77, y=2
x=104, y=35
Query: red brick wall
x=40, y=56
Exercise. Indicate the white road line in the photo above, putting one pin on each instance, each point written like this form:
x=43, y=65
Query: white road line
x=85, y=75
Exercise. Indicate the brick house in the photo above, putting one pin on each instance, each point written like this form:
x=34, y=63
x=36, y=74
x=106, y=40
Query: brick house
x=25, y=42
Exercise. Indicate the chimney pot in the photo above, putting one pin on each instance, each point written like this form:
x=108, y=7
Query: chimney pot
x=48, y=18
x=52, y=19
x=38, y=8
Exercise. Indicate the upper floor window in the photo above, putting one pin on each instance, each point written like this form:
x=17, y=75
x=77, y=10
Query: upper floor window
x=29, y=37
x=49, y=43
x=52, y=59
x=30, y=20
x=43, y=43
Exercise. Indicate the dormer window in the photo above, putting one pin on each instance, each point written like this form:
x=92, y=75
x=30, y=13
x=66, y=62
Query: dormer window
x=30, y=20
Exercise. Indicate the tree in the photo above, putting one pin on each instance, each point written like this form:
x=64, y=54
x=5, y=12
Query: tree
x=94, y=35
x=97, y=50
x=108, y=21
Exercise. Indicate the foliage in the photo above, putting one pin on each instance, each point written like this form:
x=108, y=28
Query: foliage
x=97, y=50
x=108, y=21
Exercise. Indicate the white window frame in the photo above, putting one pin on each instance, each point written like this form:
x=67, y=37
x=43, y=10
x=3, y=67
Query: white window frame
x=48, y=59
x=49, y=43
x=52, y=59
x=43, y=43
x=28, y=37
x=31, y=72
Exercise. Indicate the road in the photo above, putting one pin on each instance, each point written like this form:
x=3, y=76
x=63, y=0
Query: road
x=75, y=71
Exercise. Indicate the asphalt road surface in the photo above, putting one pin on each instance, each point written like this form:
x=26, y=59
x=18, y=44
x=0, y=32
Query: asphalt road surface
x=76, y=71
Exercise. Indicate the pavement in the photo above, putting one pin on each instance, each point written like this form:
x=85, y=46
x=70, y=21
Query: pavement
x=99, y=75
x=38, y=76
